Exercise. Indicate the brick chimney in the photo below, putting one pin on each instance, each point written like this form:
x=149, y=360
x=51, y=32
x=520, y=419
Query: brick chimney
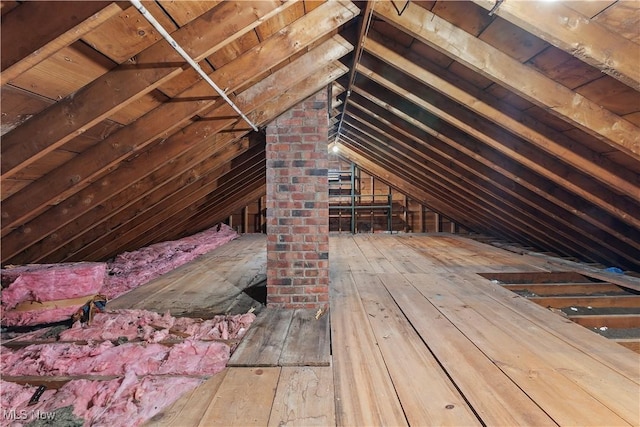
x=298, y=206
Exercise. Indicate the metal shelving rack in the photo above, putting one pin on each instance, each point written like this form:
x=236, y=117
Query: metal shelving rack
x=345, y=199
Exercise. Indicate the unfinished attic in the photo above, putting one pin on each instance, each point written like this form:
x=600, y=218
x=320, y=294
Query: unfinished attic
x=331, y=213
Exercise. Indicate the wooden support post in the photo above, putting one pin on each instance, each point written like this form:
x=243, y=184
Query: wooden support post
x=245, y=217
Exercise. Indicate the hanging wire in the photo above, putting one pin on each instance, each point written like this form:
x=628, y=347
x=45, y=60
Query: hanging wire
x=400, y=12
x=352, y=78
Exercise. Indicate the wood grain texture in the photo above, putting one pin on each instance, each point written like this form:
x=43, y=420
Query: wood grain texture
x=365, y=394
x=528, y=83
x=190, y=408
x=243, y=399
x=307, y=342
x=305, y=397
x=262, y=346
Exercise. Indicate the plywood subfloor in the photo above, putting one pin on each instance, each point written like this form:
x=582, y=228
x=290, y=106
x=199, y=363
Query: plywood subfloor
x=419, y=338
x=212, y=284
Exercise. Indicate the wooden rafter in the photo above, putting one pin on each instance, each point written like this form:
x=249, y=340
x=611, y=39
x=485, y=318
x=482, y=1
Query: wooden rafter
x=52, y=25
x=492, y=135
x=168, y=117
x=187, y=143
x=598, y=166
x=576, y=34
x=525, y=81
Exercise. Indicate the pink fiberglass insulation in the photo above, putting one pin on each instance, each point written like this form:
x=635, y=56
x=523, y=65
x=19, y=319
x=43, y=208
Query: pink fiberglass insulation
x=51, y=284
x=56, y=282
x=100, y=403
x=131, y=269
x=153, y=327
x=186, y=358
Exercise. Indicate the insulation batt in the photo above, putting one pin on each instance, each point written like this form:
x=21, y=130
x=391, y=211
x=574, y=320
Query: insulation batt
x=153, y=327
x=131, y=269
x=195, y=355
x=101, y=403
x=139, y=393
x=52, y=282
x=48, y=282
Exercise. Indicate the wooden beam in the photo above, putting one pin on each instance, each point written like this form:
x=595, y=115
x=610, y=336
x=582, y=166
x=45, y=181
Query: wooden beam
x=417, y=126
x=109, y=216
x=559, y=289
x=453, y=152
x=452, y=190
x=162, y=217
x=588, y=301
x=546, y=190
x=126, y=83
x=51, y=27
x=275, y=107
x=522, y=80
x=428, y=195
x=190, y=141
x=492, y=135
x=539, y=221
x=618, y=321
x=170, y=116
x=629, y=185
x=576, y=34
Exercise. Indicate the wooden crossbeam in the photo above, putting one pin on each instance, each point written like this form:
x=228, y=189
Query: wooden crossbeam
x=559, y=289
x=588, y=301
x=623, y=321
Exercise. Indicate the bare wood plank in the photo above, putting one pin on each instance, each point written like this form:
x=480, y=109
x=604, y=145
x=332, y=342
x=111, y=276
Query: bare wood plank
x=443, y=404
x=630, y=343
x=244, y=398
x=190, y=408
x=307, y=342
x=170, y=116
x=541, y=376
x=586, y=301
x=567, y=288
x=492, y=135
x=365, y=394
x=304, y=397
x=263, y=343
x=528, y=83
x=609, y=320
x=599, y=380
x=492, y=165
x=467, y=365
x=576, y=34
x=271, y=109
x=54, y=25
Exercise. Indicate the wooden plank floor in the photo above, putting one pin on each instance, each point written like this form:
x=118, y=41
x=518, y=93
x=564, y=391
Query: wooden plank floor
x=419, y=338
x=211, y=284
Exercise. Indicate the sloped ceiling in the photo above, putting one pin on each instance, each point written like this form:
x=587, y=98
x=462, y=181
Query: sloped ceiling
x=518, y=120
